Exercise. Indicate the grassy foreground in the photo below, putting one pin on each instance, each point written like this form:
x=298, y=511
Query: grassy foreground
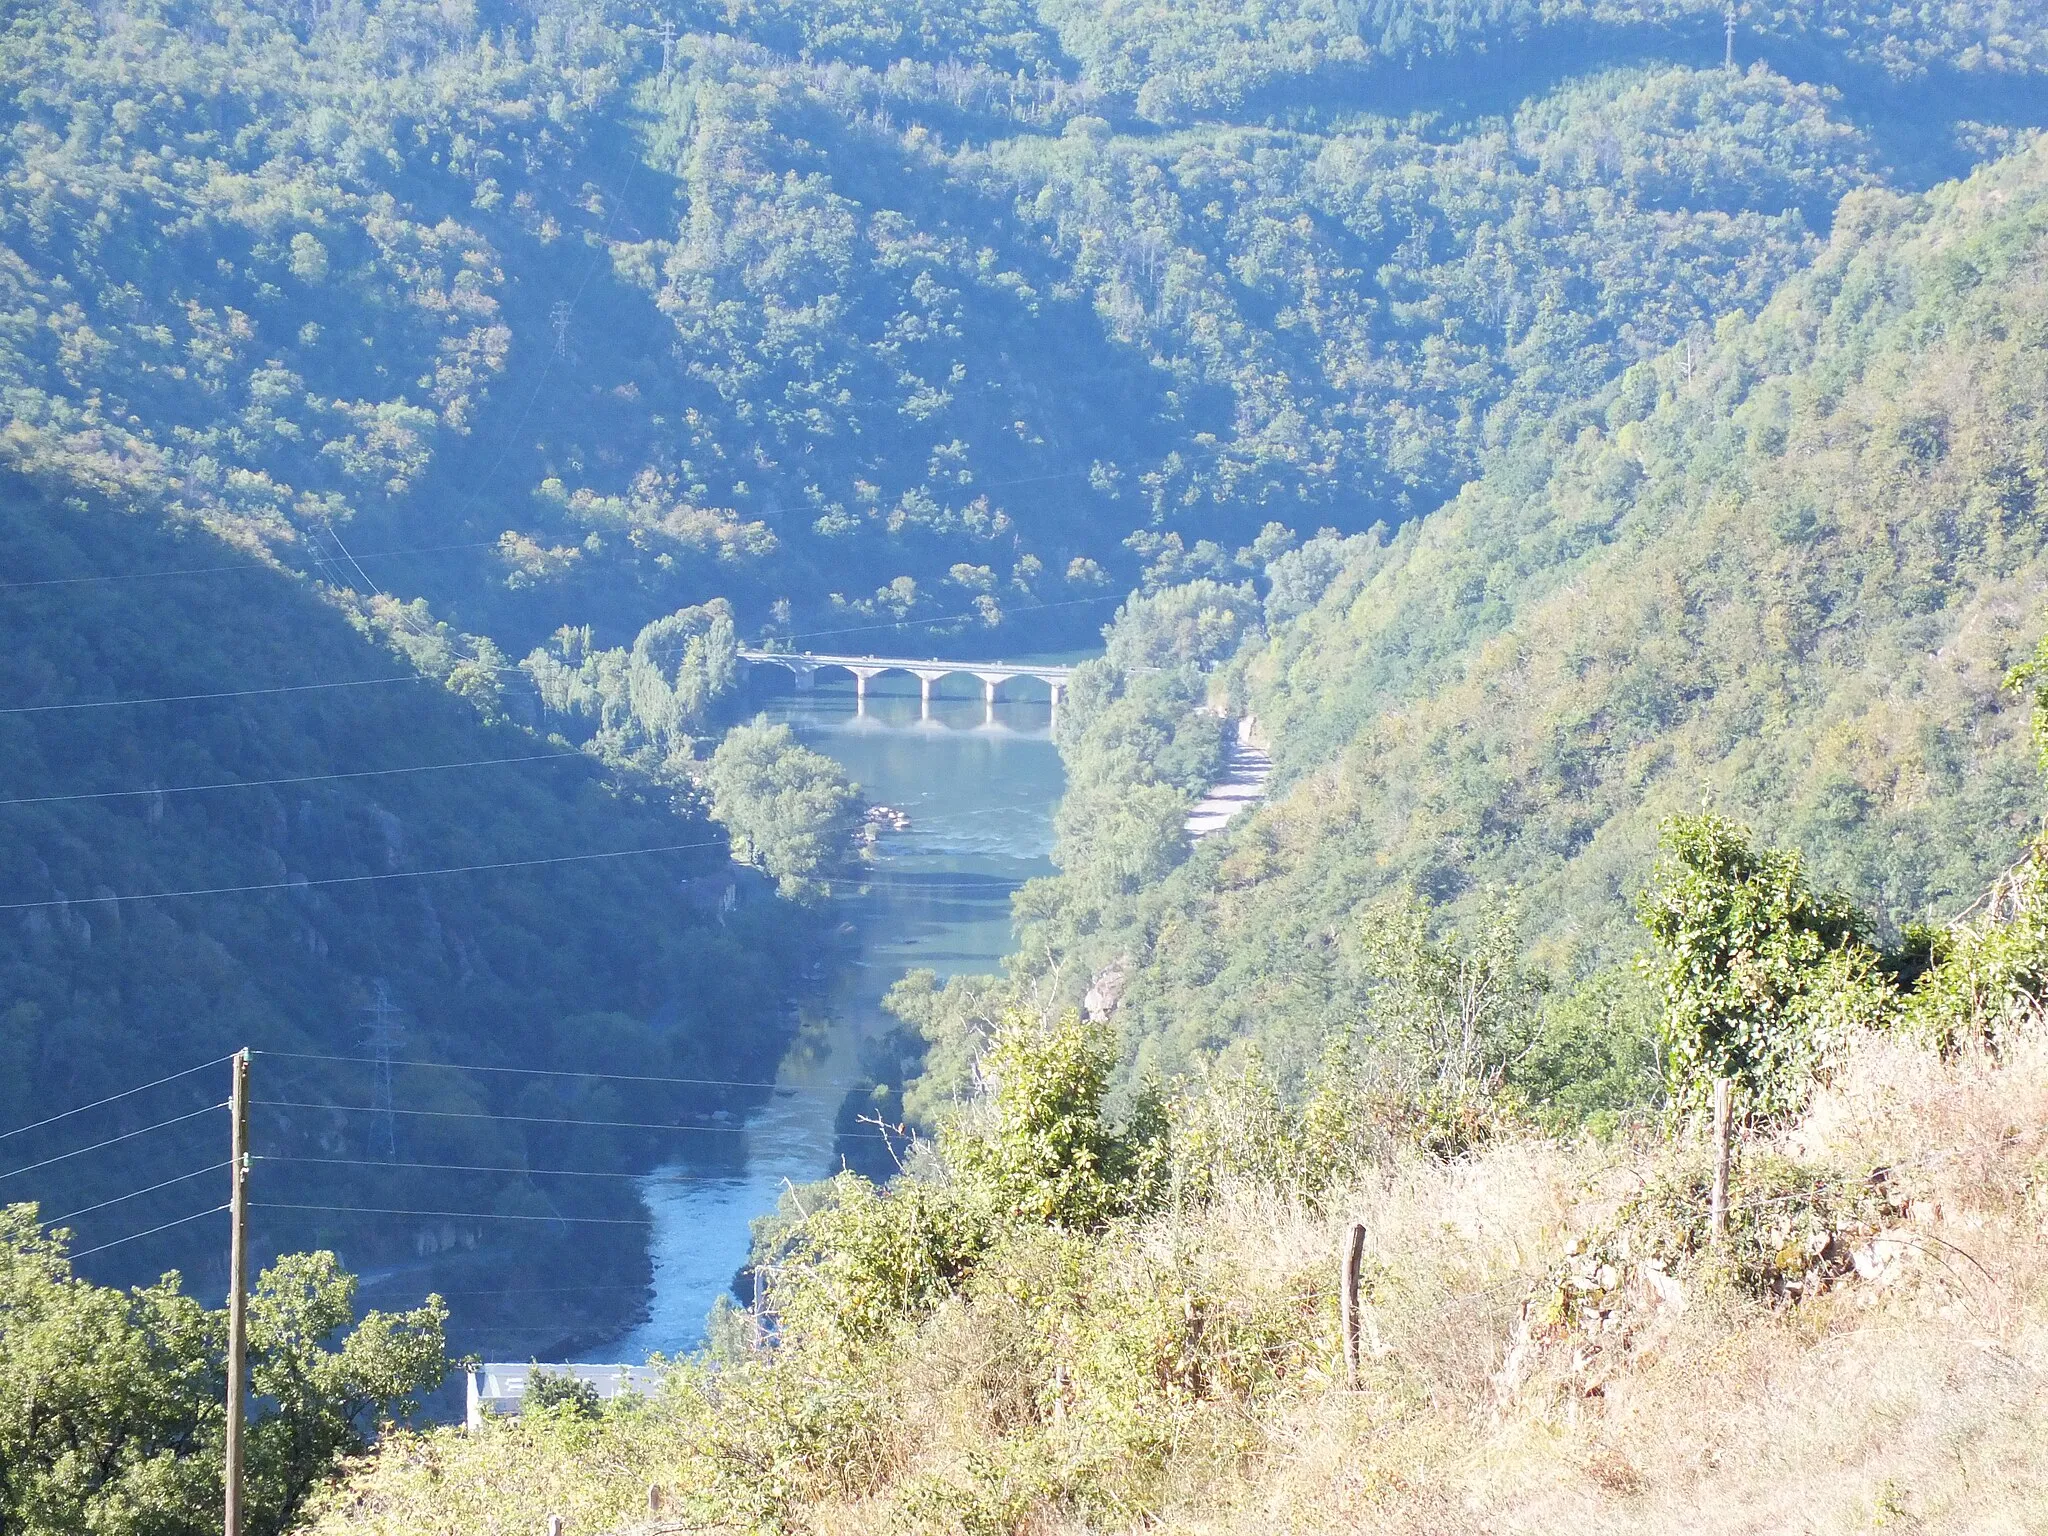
x=1548, y=1347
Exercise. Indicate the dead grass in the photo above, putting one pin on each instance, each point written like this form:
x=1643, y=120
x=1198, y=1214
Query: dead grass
x=1919, y=1404
x=1914, y=1402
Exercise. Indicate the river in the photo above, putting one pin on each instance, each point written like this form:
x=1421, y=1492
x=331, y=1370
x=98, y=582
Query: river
x=980, y=796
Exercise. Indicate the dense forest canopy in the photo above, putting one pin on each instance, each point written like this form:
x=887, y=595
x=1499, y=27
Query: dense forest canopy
x=859, y=314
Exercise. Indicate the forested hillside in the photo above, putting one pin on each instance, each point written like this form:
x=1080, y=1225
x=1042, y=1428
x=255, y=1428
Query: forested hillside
x=559, y=317
x=1784, y=574
x=249, y=862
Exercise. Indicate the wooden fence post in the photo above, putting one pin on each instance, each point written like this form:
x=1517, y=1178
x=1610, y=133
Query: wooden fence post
x=1353, y=1256
x=1724, y=1111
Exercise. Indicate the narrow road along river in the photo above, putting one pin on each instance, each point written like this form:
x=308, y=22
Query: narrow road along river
x=980, y=798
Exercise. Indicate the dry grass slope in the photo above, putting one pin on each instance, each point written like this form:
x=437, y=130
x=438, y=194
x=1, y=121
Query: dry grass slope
x=1182, y=1375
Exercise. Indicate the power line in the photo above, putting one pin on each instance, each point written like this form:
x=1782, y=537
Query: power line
x=304, y=778
x=540, y=1290
x=567, y=1173
x=148, y=1232
x=396, y=874
x=617, y=1077
x=471, y=1114
x=210, y=570
x=55, y=1221
x=112, y=1140
x=125, y=1093
x=391, y=1210
x=188, y=698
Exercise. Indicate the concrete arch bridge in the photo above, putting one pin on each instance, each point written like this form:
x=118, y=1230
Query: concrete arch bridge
x=806, y=666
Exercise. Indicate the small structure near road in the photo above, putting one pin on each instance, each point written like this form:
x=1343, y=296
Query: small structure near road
x=497, y=1391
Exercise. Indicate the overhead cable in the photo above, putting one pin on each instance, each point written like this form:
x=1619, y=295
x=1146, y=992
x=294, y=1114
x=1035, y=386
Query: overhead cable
x=233, y=693
x=125, y=1093
x=395, y=874
x=456, y=1066
x=148, y=1232
x=87, y=1210
x=566, y=1173
x=211, y=570
x=304, y=778
x=472, y=1114
x=112, y=1140
x=387, y=1210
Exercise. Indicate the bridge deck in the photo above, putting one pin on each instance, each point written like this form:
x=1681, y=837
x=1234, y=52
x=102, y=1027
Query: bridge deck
x=917, y=666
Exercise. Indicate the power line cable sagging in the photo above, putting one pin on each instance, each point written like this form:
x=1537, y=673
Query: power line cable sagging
x=86, y=1253
x=125, y=1093
x=396, y=874
x=302, y=778
x=110, y=1141
x=477, y=1114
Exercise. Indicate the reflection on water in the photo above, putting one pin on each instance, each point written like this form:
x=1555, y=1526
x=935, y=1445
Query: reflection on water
x=979, y=786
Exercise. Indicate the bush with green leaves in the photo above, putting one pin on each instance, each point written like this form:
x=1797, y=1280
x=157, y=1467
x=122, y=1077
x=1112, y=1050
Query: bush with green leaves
x=1038, y=1150
x=1043, y=1150
x=558, y=1392
x=1986, y=976
x=1762, y=976
x=1454, y=1004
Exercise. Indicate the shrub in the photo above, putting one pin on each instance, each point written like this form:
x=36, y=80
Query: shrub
x=1043, y=1151
x=1986, y=978
x=1763, y=978
x=547, y=1392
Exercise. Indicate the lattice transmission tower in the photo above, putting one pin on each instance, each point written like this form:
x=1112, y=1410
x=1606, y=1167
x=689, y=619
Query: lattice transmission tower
x=382, y=1040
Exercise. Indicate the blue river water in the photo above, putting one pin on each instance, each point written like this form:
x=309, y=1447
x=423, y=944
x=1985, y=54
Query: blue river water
x=980, y=788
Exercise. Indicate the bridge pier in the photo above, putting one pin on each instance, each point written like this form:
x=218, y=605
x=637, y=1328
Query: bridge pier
x=1057, y=688
x=860, y=689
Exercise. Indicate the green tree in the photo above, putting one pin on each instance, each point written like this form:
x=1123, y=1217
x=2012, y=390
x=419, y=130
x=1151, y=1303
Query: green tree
x=112, y=1415
x=1761, y=975
x=1037, y=1150
x=554, y=1392
x=787, y=808
x=324, y=1379
x=1042, y=1149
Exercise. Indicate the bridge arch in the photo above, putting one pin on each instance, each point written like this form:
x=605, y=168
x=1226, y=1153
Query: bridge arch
x=806, y=665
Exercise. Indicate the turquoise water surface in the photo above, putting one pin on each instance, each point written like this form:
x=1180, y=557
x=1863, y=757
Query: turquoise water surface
x=980, y=794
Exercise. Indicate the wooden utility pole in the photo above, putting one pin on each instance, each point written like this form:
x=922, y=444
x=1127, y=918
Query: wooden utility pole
x=1724, y=1107
x=238, y=1288
x=1353, y=1256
